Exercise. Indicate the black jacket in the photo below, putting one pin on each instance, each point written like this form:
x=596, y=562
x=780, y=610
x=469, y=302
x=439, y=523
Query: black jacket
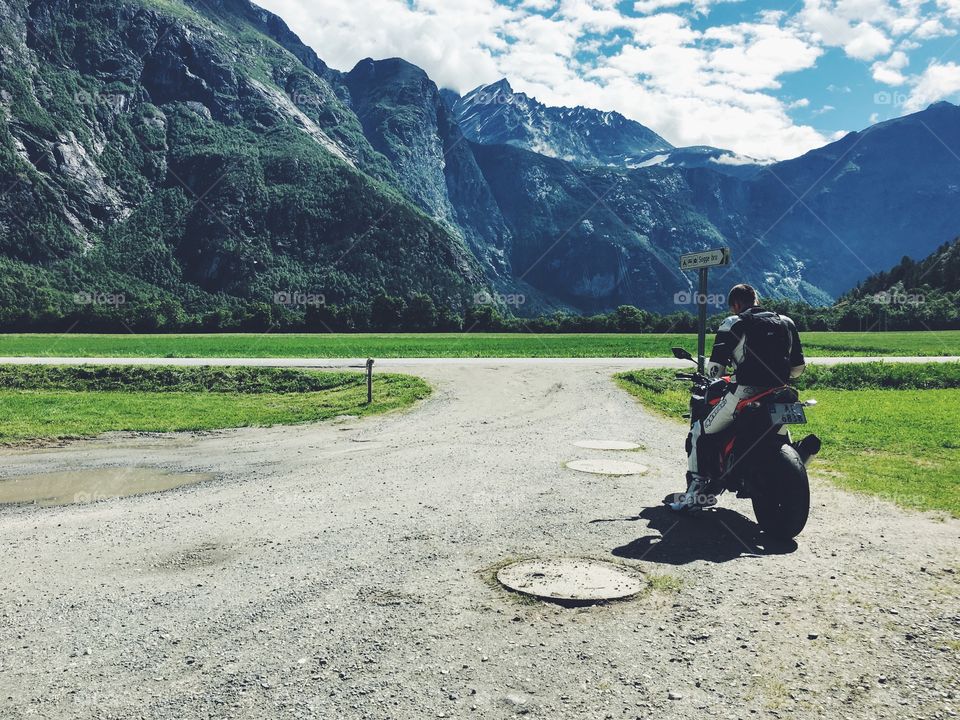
x=761, y=346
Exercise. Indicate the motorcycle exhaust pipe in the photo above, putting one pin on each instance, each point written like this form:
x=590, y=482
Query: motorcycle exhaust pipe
x=808, y=447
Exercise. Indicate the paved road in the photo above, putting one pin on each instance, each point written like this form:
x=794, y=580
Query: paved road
x=344, y=571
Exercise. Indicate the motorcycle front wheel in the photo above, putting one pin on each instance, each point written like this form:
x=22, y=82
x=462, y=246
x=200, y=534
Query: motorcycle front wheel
x=782, y=504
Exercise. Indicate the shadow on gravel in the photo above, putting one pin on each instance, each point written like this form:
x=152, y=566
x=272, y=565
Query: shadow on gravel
x=716, y=535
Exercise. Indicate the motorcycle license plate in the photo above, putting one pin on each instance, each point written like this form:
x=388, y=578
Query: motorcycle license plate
x=787, y=414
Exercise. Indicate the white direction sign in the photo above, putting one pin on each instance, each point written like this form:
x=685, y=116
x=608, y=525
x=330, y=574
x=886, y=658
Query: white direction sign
x=705, y=259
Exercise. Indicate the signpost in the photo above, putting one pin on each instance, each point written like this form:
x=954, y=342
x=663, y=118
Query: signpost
x=702, y=261
x=369, y=381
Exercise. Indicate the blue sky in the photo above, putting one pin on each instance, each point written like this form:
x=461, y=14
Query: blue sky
x=769, y=79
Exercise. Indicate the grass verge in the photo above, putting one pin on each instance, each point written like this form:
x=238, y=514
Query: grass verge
x=461, y=345
x=47, y=403
x=889, y=431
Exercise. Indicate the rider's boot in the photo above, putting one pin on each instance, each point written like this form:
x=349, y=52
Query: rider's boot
x=694, y=498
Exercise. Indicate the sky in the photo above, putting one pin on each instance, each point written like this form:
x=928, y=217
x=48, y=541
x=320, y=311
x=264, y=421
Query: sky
x=765, y=78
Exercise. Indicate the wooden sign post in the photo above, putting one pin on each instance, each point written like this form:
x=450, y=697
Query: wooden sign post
x=702, y=262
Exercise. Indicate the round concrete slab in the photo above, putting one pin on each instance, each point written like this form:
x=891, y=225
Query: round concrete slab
x=607, y=445
x=607, y=467
x=571, y=579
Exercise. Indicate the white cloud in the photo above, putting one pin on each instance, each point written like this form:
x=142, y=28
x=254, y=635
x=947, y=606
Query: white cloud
x=649, y=6
x=937, y=82
x=889, y=72
x=950, y=7
x=735, y=160
x=865, y=29
x=932, y=28
x=762, y=54
x=717, y=86
x=866, y=42
x=713, y=93
x=454, y=40
x=540, y=5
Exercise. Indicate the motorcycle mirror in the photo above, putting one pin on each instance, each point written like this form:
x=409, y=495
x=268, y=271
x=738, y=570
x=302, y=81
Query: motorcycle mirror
x=681, y=354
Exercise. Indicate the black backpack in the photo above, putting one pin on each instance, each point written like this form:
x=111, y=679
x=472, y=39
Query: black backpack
x=766, y=361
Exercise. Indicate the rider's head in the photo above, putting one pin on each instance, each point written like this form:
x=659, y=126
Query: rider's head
x=741, y=297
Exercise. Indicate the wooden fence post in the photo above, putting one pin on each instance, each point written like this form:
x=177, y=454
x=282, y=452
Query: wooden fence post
x=369, y=381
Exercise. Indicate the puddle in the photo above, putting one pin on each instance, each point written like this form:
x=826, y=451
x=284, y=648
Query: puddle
x=81, y=487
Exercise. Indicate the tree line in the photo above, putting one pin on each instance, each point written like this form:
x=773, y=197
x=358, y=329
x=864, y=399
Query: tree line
x=897, y=308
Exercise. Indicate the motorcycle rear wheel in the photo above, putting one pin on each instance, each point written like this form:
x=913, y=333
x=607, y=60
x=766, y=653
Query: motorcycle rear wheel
x=782, y=503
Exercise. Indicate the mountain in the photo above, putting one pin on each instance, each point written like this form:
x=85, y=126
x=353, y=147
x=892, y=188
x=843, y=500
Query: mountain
x=857, y=205
x=537, y=223
x=939, y=271
x=405, y=119
x=198, y=153
x=496, y=115
x=199, y=159
x=599, y=237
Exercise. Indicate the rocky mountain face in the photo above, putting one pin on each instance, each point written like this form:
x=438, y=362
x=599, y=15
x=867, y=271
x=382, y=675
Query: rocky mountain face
x=200, y=151
x=583, y=236
x=496, y=115
x=403, y=116
x=598, y=237
x=179, y=149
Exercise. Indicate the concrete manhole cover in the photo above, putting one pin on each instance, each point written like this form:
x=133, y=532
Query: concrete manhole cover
x=607, y=467
x=607, y=445
x=571, y=579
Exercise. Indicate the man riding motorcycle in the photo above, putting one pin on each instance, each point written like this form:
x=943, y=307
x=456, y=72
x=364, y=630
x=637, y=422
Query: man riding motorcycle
x=764, y=350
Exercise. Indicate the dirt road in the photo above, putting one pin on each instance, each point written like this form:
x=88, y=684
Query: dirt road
x=344, y=571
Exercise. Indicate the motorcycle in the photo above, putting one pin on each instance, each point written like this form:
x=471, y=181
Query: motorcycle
x=756, y=457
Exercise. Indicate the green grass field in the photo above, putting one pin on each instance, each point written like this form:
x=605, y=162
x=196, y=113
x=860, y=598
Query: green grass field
x=887, y=439
x=444, y=345
x=41, y=403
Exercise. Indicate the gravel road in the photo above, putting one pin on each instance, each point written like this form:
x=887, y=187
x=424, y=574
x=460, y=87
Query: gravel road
x=344, y=571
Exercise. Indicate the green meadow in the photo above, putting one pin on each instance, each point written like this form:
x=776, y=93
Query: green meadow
x=46, y=403
x=440, y=345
